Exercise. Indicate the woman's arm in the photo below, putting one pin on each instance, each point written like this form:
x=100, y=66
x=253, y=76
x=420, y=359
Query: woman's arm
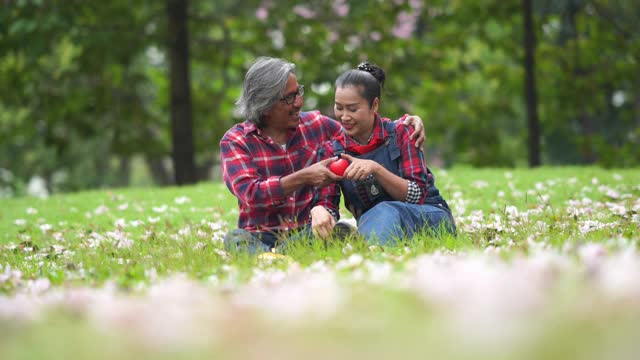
x=360, y=169
x=418, y=134
x=411, y=186
x=412, y=166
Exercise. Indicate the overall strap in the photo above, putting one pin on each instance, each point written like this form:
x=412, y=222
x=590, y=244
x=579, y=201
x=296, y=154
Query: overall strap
x=390, y=126
x=337, y=148
x=391, y=141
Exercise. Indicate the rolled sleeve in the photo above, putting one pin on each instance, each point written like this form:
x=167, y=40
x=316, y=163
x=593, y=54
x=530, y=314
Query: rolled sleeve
x=329, y=196
x=244, y=181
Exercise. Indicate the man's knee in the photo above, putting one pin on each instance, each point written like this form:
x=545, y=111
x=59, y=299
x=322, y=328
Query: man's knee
x=242, y=240
x=237, y=236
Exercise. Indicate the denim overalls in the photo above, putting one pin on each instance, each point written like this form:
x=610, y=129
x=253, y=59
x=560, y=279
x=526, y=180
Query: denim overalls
x=379, y=215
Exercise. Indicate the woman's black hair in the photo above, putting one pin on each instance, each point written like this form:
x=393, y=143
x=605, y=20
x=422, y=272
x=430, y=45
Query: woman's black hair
x=368, y=77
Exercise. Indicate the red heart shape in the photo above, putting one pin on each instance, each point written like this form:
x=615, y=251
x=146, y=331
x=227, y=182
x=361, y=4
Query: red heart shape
x=339, y=166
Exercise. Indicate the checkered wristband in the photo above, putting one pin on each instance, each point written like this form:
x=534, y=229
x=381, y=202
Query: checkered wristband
x=333, y=213
x=414, y=194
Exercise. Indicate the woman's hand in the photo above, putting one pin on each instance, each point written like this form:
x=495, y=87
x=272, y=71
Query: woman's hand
x=322, y=222
x=418, y=129
x=359, y=169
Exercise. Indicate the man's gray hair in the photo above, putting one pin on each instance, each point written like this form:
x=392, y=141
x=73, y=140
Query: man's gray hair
x=263, y=86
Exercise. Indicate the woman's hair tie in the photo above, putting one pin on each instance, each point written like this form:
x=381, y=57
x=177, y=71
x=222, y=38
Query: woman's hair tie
x=365, y=67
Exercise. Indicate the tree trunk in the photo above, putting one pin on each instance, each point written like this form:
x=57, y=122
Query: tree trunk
x=159, y=173
x=180, y=87
x=637, y=104
x=530, y=85
x=205, y=168
x=124, y=171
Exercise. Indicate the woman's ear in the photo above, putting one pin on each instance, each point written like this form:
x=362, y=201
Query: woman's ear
x=375, y=104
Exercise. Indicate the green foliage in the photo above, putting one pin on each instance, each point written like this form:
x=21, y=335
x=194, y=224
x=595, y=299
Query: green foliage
x=84, y=85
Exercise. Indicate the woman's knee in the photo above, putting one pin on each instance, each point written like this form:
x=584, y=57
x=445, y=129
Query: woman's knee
x=386, y=209
x=442, y=221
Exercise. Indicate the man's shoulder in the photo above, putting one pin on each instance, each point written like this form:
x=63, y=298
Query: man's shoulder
x=314, y=118
x=236, y=132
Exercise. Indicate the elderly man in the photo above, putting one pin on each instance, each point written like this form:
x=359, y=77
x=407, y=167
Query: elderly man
x=268, y=160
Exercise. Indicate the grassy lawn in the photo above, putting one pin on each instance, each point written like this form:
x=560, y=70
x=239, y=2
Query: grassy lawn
x=545, y=265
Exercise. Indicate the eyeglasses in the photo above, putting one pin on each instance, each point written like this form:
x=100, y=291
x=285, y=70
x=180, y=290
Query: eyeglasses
x=289, y=99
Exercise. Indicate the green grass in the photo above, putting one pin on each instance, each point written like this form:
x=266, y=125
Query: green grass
x=177, y=236
x=134, y=239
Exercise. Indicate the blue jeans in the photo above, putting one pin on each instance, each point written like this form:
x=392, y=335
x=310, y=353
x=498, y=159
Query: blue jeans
x=390, y=220
x=240, y=240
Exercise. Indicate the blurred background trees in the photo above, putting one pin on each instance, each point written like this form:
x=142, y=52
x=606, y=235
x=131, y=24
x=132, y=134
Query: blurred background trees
x=97, y=94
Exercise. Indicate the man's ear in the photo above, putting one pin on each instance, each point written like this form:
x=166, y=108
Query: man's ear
x=265, y=114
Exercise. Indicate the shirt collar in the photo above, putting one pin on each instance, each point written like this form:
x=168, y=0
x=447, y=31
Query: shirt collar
x=378, y=133
x=250, y=127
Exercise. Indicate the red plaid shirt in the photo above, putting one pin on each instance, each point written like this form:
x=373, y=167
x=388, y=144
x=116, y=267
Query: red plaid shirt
x=412, y=167
x=253, y=164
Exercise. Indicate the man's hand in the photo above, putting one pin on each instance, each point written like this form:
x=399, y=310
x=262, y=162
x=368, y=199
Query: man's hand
x=322, y=222
x=359, y=169
x=319, y=174
x=418, y=129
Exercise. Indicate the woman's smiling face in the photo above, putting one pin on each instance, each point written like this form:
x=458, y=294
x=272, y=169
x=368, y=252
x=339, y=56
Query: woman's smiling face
x=354, y=112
